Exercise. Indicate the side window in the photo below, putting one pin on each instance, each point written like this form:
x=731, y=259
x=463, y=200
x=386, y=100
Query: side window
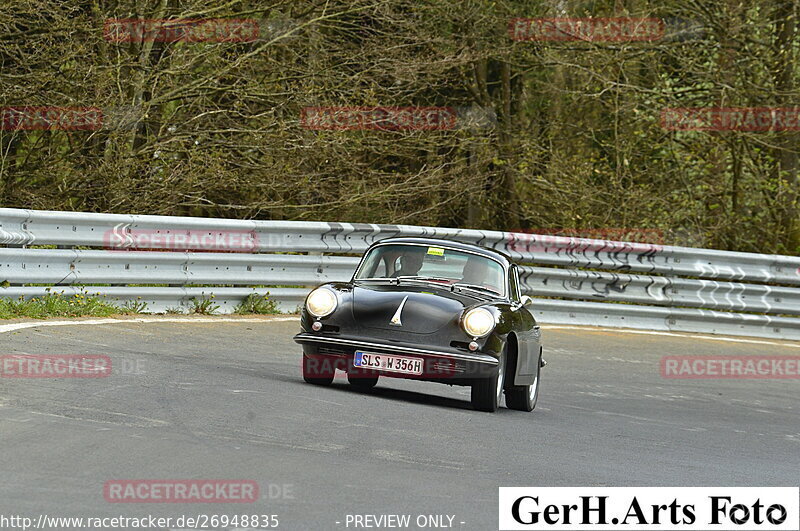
x=513, y=279
x=380, y=269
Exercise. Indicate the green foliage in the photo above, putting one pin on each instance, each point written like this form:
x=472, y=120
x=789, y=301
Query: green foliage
x=57, y=305
x=257, y=304
x=204, y=305
x=136, y=306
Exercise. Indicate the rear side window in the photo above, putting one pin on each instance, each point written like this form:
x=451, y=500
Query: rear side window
x=514, y=284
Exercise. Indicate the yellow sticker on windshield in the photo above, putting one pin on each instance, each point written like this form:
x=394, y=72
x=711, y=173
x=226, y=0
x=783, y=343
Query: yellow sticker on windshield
x=436, y=251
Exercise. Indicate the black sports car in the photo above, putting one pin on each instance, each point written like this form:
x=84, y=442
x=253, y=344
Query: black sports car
x=434, y=310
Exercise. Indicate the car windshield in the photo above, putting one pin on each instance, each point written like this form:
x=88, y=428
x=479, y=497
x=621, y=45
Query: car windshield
x=433, y=264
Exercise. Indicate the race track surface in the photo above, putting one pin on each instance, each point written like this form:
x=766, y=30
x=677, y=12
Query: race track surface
x=225, y=400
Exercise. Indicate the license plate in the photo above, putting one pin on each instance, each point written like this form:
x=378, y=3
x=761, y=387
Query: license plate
x=386, y=362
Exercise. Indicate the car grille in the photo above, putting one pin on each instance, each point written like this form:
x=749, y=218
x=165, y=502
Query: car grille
x=448, y=367
x=332, y=351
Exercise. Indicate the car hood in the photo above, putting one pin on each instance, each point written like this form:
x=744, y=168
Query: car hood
x=426, y=308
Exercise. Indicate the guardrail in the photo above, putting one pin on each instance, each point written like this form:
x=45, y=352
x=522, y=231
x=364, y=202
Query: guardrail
x=618, y=284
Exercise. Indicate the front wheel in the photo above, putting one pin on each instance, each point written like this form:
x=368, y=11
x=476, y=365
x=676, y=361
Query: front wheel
x=488, y=392
x=524, y=397
x=362, y=382
x=318, y=370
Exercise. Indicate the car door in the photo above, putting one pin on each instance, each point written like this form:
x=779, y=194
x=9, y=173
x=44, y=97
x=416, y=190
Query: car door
x=527, y=331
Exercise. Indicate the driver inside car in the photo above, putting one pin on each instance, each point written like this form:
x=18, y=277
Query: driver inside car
x=474, y=271
x=410, y=265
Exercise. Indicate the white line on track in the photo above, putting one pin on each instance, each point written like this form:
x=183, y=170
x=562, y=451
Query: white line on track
x=35, y=324
x=673, y=334
x=188, y=320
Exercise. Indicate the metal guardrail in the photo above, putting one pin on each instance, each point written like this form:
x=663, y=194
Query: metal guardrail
x=660, y=290
x=619, y=284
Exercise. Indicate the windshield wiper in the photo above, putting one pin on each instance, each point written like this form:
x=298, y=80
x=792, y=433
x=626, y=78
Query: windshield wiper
x=396, y=280
x=373, y=279
x=452, y=285
x=426, y=279
x=476, y=287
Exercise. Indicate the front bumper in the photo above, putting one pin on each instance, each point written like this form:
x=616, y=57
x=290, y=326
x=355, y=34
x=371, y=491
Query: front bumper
x=438, y=364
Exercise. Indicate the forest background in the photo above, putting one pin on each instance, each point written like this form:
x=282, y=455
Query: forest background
x=553, y=135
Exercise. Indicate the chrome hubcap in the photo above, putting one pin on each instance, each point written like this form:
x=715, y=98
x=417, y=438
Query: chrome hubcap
x=532, y=388
x=535, y=384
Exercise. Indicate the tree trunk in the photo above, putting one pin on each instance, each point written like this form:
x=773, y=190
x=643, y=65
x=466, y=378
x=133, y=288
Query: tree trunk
x=786, y=151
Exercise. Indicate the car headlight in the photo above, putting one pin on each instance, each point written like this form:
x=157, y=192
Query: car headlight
x=478, y=322
x=321, y=302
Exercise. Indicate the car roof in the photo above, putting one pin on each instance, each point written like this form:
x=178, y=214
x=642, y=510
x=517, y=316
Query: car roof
x=452, y=244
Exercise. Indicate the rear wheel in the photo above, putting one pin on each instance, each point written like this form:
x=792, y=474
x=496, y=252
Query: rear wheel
x=488, y=392
x=318, y=370
x=524, y=397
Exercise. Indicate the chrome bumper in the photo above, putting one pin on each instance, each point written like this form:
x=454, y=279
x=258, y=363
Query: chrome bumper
x=475, y=357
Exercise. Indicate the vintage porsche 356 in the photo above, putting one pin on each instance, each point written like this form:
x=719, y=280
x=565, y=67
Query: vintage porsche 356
x=428, y=309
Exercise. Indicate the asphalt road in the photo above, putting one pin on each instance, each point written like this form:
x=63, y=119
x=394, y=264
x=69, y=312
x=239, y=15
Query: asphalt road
x=225, y=400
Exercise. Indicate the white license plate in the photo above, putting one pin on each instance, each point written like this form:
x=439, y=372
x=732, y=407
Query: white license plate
x=386, y=362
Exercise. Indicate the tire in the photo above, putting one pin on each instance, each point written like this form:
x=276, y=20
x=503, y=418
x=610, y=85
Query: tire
x=361, y=382
x=487, y=393
x=317, y=370
x=524, y=397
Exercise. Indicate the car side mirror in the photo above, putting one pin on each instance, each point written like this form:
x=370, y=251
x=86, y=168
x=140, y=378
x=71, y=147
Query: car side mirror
x=526, y=301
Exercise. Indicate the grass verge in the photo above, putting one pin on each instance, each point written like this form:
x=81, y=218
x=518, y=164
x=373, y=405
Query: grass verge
x=85, y=305
x=58, y=305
